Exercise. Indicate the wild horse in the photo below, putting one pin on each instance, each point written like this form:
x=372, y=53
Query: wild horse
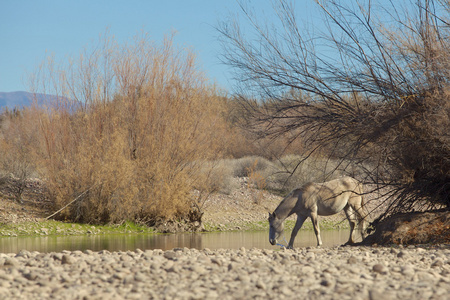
x=320, y=199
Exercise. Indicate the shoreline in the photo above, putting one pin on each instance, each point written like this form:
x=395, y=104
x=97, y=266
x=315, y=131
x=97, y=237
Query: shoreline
x=243, y=209
x=43, y=228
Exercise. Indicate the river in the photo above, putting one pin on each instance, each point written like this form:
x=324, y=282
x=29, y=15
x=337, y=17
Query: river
x=125, y=242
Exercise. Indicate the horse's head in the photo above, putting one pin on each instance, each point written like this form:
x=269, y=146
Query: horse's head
x=276, y=228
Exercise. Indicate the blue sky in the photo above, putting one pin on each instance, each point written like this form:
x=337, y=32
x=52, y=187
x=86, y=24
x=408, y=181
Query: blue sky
x=30, y=29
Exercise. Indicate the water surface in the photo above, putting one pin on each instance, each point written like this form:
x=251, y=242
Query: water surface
x=124, y=242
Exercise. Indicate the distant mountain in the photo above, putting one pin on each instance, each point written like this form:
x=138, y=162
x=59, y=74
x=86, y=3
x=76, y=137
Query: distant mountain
x=15, y=99
x=20, y=99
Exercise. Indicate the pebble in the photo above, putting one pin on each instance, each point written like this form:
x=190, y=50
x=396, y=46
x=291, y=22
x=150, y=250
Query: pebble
x=304, y=273
x=67, y=259
x=170, y=255
x=379, y=268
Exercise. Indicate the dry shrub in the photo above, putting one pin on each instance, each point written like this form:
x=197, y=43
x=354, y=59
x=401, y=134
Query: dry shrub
x=218, y=177
x=294, y=171
x=282, y=175
x=18, y=143
x=127, y=132
x=255, y=176
x=257, y=181
x=99, y=171
x=242, y=142
x=245, y=165
x=380, y=100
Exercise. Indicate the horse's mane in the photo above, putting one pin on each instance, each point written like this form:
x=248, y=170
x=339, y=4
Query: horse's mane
x=306, y=186
x=284, y=209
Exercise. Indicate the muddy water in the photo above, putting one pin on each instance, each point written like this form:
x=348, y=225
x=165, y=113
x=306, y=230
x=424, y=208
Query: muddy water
x=124, y=242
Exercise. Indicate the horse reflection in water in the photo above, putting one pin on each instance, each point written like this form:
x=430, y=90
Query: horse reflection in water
x=320, y=199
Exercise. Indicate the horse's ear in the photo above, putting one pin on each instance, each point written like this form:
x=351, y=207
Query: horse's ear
x=273, y=215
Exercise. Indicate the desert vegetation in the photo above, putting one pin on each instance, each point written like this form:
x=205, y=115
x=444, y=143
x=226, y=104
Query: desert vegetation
x=279, y=175
x=130, y=132
x=370, y=91
x=136, y=132
x=122, y=136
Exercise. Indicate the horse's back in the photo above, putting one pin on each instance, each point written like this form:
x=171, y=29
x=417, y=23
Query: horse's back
x=349, y=184
x=332, y=196
x=335, y=186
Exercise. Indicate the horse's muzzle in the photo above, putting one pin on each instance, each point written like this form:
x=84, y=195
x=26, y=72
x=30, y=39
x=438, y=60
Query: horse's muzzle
x=273, y=241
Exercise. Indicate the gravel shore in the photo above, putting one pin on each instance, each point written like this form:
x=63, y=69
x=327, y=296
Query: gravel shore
x=304, y=273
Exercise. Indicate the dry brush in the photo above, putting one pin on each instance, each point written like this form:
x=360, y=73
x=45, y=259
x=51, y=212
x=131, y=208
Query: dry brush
x=126, y=132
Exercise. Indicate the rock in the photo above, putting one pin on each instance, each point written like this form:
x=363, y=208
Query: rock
x=308, y=270
x=437, y=263
x=67, y=259
x=260, y=285
x=217, y=261
x=11, y=261
x=173, y=269
x=310, y=255
x=352, y=260
x=31, y=276
x=379, y=268
x=377, y=294
x=394, y=251
x=402, y=254
x=348, y=273
x=58, y=256
x=327, y=283
x=408, y=271
x=23, y=253
x=422, y=276
x=170, y=255
x=243, y=278
x=231, y=267
x=198, y=269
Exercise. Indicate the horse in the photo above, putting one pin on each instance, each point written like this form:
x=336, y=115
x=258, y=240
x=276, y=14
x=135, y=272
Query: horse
x=320, y=199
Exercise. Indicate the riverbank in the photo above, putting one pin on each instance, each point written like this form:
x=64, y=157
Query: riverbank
x=305, y=273
x=243, y=209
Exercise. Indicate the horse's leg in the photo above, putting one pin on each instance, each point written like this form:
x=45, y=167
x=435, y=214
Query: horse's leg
x=350, y=214
x=361, y=214
x=298, y=225
x=315, y=222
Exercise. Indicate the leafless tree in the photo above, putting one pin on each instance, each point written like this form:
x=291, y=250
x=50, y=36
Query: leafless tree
x=373, y=88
